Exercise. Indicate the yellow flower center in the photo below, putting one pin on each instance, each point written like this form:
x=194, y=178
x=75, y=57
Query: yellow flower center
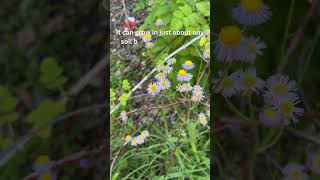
x=296, y=174
x=128, y=137
x=160, y=74
x=249, y=81
x=146, y=36
x=188, y=63
x=153, y=87
x=163, y=83
x=46, y=176
x=149, y=44
x=134, y=141
x=203, y=121
x=230, y=35
x=227, y=82
x=270, y=114
x=43, y=159
x=280, y=89
x=252, y=5
x=286, y=108
x=182, y=72
x=317, y=161
x=159, y=20
x=252, y=47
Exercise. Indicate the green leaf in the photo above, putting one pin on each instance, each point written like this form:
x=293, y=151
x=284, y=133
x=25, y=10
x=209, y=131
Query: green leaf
x=202, y=41
x=123, y=98
x=112, y=95
x=178, y=14
x=7, y=105
x=176, y=24
x=186, y=10
x=126, y=85
x=46, y=111
x=51, y=74
x=203, y=8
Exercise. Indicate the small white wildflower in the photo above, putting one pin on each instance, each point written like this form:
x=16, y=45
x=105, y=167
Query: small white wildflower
x=188, y=65
x=166, y=69
x=140, y=139
x=197, y=97
x=149, y=45
x=160, y=76
x=251, y=12
x=123, y=116
x=146, y=37
x=134, y=141
x=248, y=80
x=164, y=84
x=294, y=171
x=171, y=61
x=203, y=119
x=159, y=22
x=183, y=75
x=153, y=89
x=145, y=134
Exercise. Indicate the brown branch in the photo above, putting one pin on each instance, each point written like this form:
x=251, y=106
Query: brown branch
x=72, y=159
x=171, y=156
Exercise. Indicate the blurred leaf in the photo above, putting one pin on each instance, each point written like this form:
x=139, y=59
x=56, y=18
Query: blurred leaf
x=46, y=111
x=126, y=85
x=7, y=105
x=186, y=10
x=176, y=24
x=203, y=8
x=51, y=74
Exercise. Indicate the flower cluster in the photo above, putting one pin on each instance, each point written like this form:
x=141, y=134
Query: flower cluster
x=278, y=91
x=295, y=171
x=162, y=83
x=140, y=139
x=147, y=38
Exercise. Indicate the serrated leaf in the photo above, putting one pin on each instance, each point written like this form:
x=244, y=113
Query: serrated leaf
x=51, y=74
x=178, y=14
x=186, y=10
x=203, y=8
x=126, y=85
x=46, y=111
x=176, y=24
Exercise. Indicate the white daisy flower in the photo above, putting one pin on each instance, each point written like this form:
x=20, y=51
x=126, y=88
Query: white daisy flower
x=188, y=65
x=294, y=171
x=278, y=87
x=166, y=69
x=254, y=48
x=153, y=89
x=184, y=76
x=160, y=76
x=197, y=89
x=251, y=12
x=180, y=88
x=187, y=87
x=171, y=61
x=313, y=162
x=159, y=22
x=197, y=97
x=164, y=84
x=287, y=109
x=227, y=85
x=145, y=134
x=203, y=119
x=159, y=67
x=248, y=80
x=123, y=116
x=270, y=117
x=128, y=139
x=140, y=139
x=146, y=37
x=134, y=141
x=230, y=44
x=149, y=45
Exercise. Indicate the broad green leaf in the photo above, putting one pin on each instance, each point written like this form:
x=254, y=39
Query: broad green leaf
x=51, y=74
x=47, y=110
x=178, y=14
x=112, y=95
x=186, y=10
x=203, y=8
x=123, y=98
x=176, y=24
x=126, y=85
x=202, y=41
